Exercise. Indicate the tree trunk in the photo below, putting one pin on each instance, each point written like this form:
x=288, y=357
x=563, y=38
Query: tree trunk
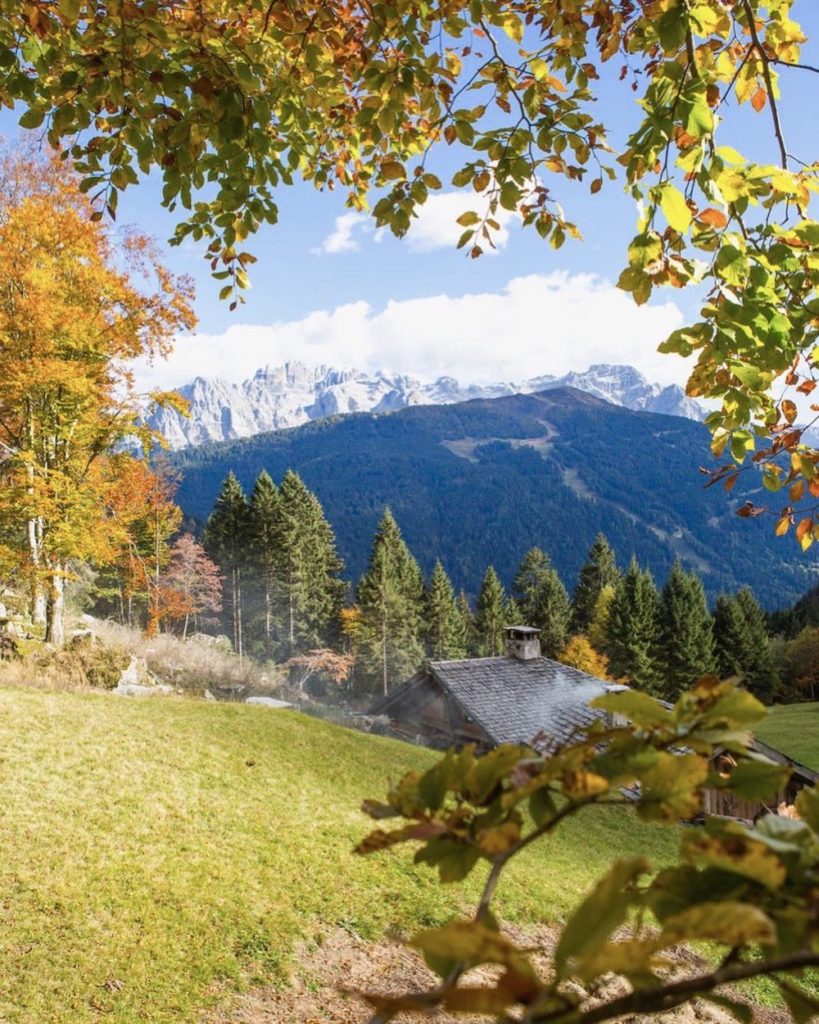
x=55, y=609
x=267, y=618
x=384, y=677
x=185, y=627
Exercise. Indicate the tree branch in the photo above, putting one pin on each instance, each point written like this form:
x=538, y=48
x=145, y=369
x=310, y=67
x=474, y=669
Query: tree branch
x=766, y=74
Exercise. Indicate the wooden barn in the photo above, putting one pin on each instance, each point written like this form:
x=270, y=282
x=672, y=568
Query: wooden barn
x=526, y=698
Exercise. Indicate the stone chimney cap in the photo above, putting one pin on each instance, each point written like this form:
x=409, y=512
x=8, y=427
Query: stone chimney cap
x=527, y=631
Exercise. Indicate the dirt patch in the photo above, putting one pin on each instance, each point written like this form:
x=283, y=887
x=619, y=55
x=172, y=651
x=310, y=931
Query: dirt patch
x=331, y=971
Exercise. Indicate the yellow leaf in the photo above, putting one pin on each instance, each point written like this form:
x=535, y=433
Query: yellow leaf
x=675, y=208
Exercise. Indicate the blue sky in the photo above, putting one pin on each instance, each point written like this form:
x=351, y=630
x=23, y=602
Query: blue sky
x=328, y=289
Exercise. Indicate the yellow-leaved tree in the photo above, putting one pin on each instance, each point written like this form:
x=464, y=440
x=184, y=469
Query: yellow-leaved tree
x=76, y=305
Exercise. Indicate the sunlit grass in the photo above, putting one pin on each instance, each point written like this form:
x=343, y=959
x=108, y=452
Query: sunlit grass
x=794, y=729
x=158, y=854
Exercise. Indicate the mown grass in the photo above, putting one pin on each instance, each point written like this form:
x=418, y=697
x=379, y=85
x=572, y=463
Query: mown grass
x=794, y=729
x=156, y=855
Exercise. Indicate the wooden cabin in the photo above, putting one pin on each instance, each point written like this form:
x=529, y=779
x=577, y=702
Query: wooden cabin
x=526, y=698
x=488, y=701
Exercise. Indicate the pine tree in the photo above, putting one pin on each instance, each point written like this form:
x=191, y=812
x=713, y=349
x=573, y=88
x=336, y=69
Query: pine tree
x=599, y=571
x=391, y=600
x=226, y=539
x=598, y=627
x=466, y=632
x=742, y=644
x=686, y=634
x=491, y=616
x=632, y=631
x=543, y=601
x=307, y=567
x=443, y=634
x=264, y=523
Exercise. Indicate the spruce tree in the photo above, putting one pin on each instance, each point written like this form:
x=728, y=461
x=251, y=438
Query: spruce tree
x=599, y=571
x=308, y=567
x=443, y=632
x=491, y=616
x=543, y=601
x=632, y=629
x=391, y=601
x=226, y=539
x=686, y=635
x=742, y=644
x=467, y=634
x=264, y=524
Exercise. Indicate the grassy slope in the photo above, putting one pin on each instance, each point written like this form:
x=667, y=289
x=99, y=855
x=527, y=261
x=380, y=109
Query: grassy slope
x=155, y=855
x=794, y=729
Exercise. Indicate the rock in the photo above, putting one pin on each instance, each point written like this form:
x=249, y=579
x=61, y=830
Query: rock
x=3, y=612
x=208, y=695
x=268, y=702
x=136, y=680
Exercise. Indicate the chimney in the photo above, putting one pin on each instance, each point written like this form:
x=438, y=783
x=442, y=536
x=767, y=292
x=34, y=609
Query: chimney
x=522, y=642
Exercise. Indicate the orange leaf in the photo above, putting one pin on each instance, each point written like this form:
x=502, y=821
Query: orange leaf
x=713, y=218
x=788, y=409
x=804, y=527
x=759, y=99
x=782, y=526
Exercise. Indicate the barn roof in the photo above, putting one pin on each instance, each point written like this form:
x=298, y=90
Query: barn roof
x=514, y=701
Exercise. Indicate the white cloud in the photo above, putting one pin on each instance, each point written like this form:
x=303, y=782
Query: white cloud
x=534, y=325
x=343, y=236
x=436, y=225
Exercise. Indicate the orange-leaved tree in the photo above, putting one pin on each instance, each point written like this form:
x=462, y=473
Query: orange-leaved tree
x=72, y=316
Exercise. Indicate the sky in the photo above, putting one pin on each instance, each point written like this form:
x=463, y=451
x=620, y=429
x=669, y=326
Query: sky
x=329, y=289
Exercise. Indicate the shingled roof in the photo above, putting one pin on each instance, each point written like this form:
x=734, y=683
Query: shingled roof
x=514, y=701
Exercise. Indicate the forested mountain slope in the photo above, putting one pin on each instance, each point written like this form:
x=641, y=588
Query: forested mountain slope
x=482, y=481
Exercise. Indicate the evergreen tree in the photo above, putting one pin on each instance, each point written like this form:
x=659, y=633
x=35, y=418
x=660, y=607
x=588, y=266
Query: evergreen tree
x=467, y=634
x=308, y=568
x=599, y=571
x=632, y=633
x=391, y=600
x=491, y=616
x=226, y=538
x=443, y=625
x=543, y=601
x=264, y=524
x=598, y=627
x=686, y=635
x=512, y=613
x=742, y=644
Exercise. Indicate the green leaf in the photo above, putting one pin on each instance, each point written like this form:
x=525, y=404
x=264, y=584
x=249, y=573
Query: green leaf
x=736, y=852
x=453, y=860
x=469, y=943
x=599, y=914
x=670, y=787
x=675, y=208
x=32, y=118
x=638, y=707
x=730, y=922
x=758, y=780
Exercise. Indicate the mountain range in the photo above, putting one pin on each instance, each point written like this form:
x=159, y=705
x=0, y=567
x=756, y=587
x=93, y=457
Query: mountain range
x=294, y=394
x=482, y=481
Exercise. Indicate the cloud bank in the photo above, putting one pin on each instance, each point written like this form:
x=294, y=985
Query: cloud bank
x=536, y=324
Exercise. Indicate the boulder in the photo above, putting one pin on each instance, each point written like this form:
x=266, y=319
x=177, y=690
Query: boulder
x=268, y=702
x=136, y=680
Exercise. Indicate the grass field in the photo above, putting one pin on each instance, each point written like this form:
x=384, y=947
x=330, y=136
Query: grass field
x=157, y=855
x=794, y=729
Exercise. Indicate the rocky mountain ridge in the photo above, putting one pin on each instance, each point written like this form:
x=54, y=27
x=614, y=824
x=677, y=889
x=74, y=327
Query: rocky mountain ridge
x=293, y=394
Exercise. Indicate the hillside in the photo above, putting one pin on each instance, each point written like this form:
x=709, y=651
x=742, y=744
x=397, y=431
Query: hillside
x=158, y=855
x=483, y=481
x=794, y=729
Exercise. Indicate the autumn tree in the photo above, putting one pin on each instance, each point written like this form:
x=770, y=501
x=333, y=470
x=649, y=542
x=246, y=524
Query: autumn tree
x=142, y=519
x=70, y=319
x=580, y=654
x=191, y=584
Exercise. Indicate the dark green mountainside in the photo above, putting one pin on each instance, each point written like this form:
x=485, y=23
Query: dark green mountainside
x=483, y=481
